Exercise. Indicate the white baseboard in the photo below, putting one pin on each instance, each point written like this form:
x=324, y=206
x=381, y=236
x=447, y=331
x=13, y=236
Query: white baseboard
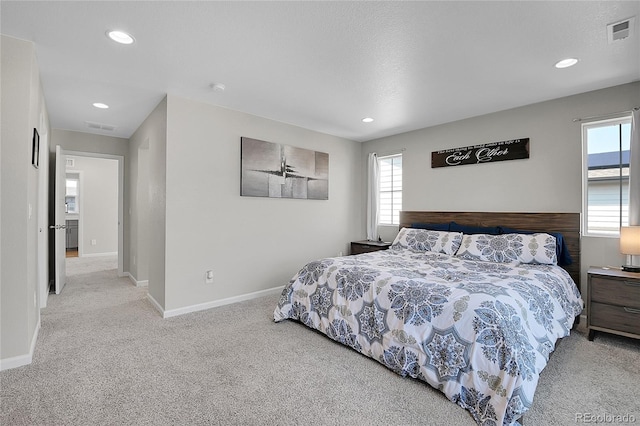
x=214, y=303
x=114, y=253
x=141, y=283
x=20, y=360
x=155, y=304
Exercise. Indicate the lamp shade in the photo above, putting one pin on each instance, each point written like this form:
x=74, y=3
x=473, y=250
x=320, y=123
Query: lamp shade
x=630, y=240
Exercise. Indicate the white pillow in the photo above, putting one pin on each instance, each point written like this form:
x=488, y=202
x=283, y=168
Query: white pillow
x=421, y=240
x=507, y=248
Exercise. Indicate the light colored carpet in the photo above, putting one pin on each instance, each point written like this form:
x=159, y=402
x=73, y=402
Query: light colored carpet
x=105, y=356
x=85, y=265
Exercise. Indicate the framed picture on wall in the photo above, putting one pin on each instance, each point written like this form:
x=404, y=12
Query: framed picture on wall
x=277, y=170
x=35, y=149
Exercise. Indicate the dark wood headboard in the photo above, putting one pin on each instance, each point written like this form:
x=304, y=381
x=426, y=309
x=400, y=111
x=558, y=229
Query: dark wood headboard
x=566, y=223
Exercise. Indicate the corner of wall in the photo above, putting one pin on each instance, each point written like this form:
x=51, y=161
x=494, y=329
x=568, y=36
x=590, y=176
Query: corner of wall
x=146, y=232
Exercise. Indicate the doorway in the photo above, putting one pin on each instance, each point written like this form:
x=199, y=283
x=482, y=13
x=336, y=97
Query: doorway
x=91, y=206
x=93, y=197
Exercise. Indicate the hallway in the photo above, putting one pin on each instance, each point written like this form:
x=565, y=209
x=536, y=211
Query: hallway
x=84, y=265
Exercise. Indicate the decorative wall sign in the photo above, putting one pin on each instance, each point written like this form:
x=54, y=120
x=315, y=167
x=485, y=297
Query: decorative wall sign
x=282, y=171
x=486, y=153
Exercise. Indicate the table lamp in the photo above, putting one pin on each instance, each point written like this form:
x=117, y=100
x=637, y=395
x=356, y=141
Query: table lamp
x=630, y=245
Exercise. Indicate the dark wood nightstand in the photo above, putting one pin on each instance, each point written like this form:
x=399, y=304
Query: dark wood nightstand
x=613, y=302
x=358, y=247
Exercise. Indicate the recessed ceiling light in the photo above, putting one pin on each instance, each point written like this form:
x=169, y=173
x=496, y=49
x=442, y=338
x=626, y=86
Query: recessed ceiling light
x=566, y=63
x=100, y=105
x=367, y=120
x=120, y=37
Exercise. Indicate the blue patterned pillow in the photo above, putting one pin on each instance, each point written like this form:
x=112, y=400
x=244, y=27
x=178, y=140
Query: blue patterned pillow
x=562, y=250
x=510, y=248
x=421, y=240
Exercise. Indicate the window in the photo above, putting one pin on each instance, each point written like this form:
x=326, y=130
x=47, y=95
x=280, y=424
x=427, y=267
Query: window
x=390, y=187
x=606, y=146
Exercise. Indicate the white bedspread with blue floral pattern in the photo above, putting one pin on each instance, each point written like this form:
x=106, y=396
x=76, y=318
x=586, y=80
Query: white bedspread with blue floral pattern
x=481, y=332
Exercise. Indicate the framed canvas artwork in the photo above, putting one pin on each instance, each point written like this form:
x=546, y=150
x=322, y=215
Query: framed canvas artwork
x=281, y=171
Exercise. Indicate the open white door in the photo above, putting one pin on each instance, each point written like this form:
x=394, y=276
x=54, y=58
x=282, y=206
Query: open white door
x=60, y=233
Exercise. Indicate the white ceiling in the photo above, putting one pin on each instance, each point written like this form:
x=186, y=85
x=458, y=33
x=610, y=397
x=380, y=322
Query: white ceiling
x=320, y=65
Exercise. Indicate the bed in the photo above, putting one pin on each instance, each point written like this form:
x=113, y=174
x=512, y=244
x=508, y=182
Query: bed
x=475, y=312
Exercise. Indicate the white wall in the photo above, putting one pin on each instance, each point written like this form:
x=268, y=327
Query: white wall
x=549, y=181
x=88, y=142
x=252, y=244
x=23, y=109
x=142, y=200
x=146, y=192
x=99, y=204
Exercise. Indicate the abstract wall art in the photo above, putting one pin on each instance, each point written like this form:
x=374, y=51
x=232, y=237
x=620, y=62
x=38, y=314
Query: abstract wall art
x=281, y=171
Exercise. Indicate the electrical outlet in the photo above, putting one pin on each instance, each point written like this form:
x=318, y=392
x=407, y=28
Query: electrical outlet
x=340, y=254
x=208, y=276
x=35, y=300
x=94, y=242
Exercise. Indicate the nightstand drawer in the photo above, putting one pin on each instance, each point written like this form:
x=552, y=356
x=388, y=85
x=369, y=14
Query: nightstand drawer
x=619, y=292
x=615, y=317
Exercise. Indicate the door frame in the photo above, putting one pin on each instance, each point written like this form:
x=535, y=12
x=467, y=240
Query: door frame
x=59, y=243
x=120, y=160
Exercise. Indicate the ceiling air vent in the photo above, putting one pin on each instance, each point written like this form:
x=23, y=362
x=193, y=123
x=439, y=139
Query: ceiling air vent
x=98, y=126
x=620, y=30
